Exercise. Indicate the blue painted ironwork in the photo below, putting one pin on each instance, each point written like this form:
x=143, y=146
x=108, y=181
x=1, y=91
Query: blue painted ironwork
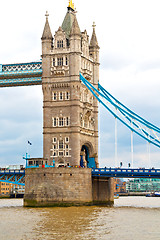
x=16, y=67
x=136, y=123
x=36, y=163
x=13, y=176
x=18, y=176
x=21, y=82
x=21, y=74
x=126, y=173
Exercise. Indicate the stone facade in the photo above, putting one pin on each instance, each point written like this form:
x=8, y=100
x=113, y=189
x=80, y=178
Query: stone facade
x=70, y=112
x=58, y=187
x=66, y=187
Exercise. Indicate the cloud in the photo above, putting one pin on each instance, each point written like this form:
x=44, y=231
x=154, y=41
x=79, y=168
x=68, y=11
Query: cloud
x=129, y=54
x=21, y=120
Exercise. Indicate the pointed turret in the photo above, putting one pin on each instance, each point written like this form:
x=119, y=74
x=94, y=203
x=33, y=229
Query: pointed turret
x=75, y=28
x=47, y=31
x=47, y=39
x=94, y=42
x=75, y=47
x=94, y=53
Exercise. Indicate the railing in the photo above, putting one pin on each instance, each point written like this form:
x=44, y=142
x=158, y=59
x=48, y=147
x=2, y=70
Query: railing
x=126, y=173
x=12, y=171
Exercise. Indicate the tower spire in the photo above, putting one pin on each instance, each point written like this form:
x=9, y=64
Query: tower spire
x=47, y=31
x=94, y=42
x=47, y=15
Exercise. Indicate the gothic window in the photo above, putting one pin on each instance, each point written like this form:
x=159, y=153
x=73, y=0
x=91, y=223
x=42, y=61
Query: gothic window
x=67, y=146
x=54, y=154
x=60, y=44
x=67, y=153
x=54, y=122
x=66, y=61
x=67, y=121
x=60, y=61
x=60, y=144
x=60, y=96
x=67, y=95
x=67, y=139
x=54, y=96
x=60, y=153
x=54, y=140
x=54, y=146
x=53, y=61
x=67, y=42
x=61, y=122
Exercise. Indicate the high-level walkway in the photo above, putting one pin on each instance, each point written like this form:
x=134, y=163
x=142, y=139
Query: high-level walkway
x=21, y=74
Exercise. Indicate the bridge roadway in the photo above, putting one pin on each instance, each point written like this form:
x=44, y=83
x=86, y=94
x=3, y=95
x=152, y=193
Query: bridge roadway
x=18, y=176
x=126, y=172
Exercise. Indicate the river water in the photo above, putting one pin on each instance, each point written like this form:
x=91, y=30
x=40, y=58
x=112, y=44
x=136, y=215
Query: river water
x=131, y=218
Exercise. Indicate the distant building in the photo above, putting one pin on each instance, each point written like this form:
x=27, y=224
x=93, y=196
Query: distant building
x=119, y=186
x=14, y=167
x=5, y=188
x=8, y=188
x=143, y=185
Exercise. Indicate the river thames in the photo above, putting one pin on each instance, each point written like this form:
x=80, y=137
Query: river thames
x=131, y=218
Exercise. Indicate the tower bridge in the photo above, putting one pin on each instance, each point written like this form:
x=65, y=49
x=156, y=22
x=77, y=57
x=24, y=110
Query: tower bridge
x=69, y=75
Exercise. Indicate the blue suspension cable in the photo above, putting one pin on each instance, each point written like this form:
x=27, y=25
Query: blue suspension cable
x=122, y=112
x=86, y=83
x=145, y=121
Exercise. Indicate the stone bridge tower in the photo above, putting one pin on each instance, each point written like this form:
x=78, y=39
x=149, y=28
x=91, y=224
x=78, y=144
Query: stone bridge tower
x=70, y=131
x=70, y=112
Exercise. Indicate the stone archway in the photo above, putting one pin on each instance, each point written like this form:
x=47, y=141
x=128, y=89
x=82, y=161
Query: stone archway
x=86, y=158
x=61, y=163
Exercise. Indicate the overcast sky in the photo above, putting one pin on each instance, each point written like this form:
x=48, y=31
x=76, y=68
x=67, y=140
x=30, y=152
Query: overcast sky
x=129, y=39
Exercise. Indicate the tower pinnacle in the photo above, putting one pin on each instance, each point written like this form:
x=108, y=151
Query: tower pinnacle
x=47, y=15
x=94, y=42
x=71, y=5
x=47, y=31
x=94, y=25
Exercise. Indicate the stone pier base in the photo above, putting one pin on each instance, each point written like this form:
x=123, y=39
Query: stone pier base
x=65, y=187
x=103, y=191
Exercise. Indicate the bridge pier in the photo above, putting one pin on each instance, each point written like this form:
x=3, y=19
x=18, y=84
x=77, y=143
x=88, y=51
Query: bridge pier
x=65, y=187
x=103, y=191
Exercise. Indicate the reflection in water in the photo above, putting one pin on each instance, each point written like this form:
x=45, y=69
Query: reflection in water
x=131, y=218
